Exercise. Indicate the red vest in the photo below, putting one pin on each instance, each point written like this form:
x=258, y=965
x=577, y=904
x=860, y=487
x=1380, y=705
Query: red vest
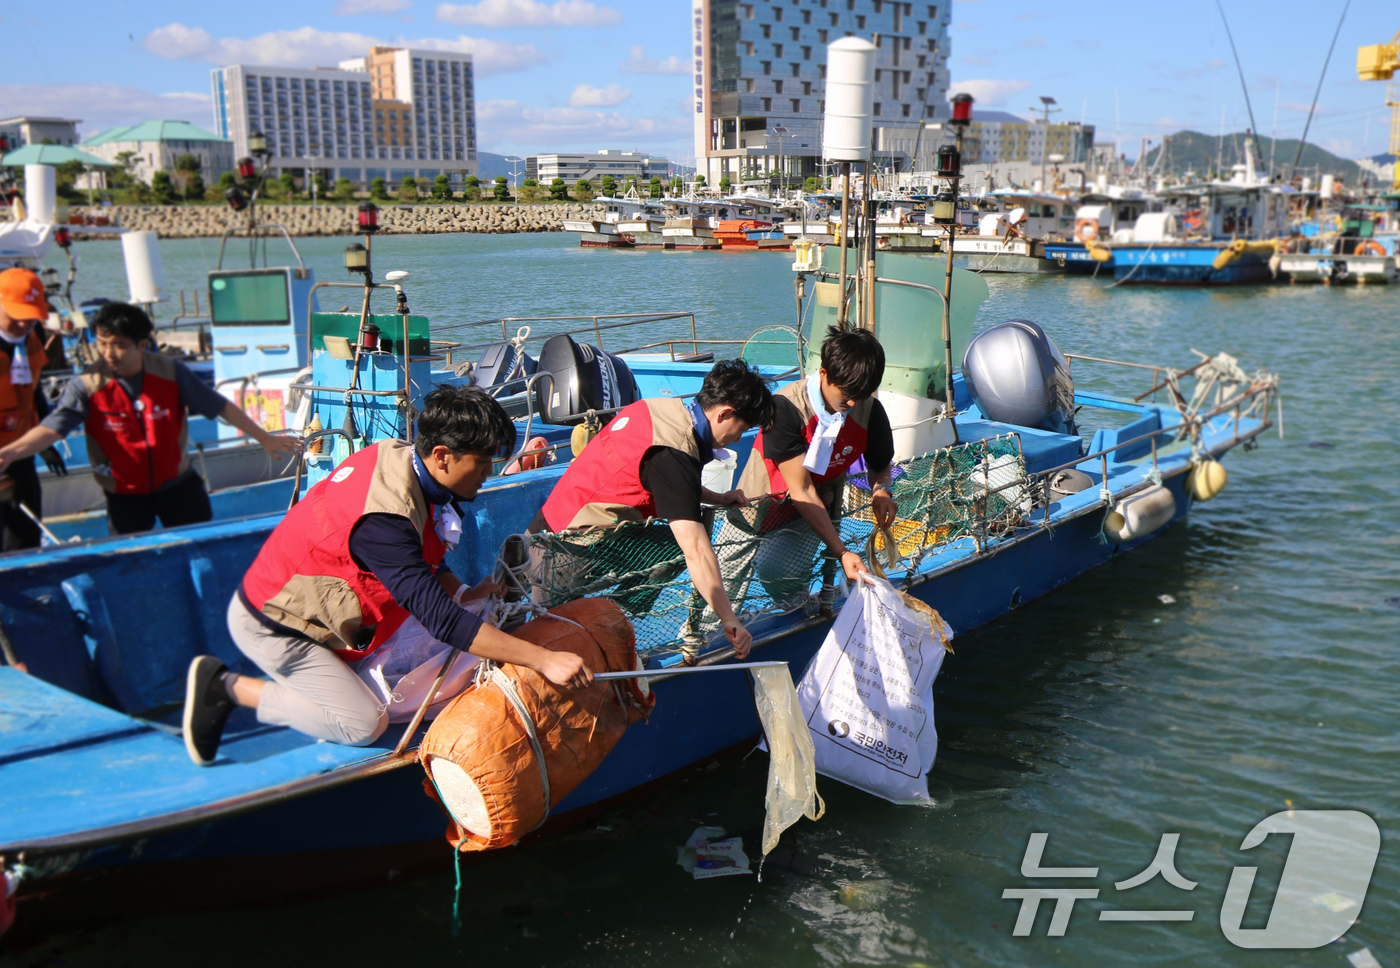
x=17, y=413
x=850, y=444
x=135, y=446
x=603, y=485
x=304, y=577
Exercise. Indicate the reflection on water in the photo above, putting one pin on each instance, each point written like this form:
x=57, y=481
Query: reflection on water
x=1097, y=714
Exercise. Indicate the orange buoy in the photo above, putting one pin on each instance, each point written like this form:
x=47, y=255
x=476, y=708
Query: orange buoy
x=1370, y=247
x=496, y=774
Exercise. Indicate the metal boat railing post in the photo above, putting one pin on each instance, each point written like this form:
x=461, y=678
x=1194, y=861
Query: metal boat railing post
x=845, y=227
x=948, y=286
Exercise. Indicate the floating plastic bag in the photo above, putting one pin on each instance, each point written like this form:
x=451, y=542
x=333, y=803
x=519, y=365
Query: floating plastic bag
x=792, y=776
x=867, y=696
x=708, y=854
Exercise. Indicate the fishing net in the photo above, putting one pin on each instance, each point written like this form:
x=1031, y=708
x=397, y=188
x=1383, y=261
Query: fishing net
x=792, y=760
x=770, y=560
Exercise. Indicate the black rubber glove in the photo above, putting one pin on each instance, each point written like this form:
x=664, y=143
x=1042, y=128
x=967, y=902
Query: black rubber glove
x=54, y=460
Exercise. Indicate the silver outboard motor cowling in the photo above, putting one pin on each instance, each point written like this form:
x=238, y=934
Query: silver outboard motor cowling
x=1017, y=375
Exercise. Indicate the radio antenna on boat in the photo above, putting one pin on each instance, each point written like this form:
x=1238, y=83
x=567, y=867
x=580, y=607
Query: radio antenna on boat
x=1298, y=155
x=1253, y=128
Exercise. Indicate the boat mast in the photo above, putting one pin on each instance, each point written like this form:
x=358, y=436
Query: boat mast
x=962, y=116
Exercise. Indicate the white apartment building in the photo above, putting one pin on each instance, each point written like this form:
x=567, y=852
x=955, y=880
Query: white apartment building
x=621, y=165
x=23, y=131
x=393, y=114
x=760, y=76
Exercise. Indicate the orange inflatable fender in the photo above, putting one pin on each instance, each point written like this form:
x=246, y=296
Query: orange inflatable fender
x=480, y=756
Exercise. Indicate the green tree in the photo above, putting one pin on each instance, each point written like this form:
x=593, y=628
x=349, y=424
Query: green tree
x=609, y=185
x=558, y=190
x=812, y=185
x=187, y=162
x=500, y=189
x=677, y=187
x=631, y=184
x=194, y=186
x=162, y=188
x=344, y=189
x=530, y=191
x=121, y=177
x=472, y=193
x=289, y=185
x=319, y=180
x=441, y=187
x=378, y=189
x=226, y=181
x=583, y=190
x=655, y=187
x=724, y=184
x=408, y=189
x=699, y=181
x=471, y=181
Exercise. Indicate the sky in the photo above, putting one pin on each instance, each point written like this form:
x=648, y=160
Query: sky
x=588, y=74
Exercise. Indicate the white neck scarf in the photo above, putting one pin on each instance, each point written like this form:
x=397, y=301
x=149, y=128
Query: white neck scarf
x=19, y=363
x=449, y=526
x=829, y=425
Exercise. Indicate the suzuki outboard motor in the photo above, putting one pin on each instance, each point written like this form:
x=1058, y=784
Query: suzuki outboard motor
x=1017, y=375
x=582, y=378
x=501, y=363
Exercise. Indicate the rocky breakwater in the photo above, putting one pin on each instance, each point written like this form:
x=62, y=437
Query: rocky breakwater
x=198, y=221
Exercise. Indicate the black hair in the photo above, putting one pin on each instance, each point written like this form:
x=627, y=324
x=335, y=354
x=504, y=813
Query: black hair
x=733, y=383
x=465, y=420
x=125, y=320
x=854, y=361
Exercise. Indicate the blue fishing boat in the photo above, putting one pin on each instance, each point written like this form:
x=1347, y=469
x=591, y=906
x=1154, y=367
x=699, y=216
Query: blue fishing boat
x=106, y=815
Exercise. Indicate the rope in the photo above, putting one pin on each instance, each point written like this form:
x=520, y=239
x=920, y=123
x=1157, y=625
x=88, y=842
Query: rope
x=507, y=686
x=1137, y=265
x=456, y=891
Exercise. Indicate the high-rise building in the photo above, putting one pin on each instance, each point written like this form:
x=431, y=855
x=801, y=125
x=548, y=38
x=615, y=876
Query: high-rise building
x=393, y=114
x=760, y=80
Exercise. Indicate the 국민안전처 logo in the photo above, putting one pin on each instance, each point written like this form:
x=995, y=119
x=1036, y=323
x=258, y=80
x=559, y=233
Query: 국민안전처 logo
x=838, y=729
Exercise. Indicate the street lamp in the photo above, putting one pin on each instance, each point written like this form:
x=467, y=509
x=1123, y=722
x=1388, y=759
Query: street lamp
x=514, y=160
x=782, y=132
x=1047, y=105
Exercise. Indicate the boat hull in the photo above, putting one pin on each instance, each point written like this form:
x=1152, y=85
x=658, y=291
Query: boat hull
x=1342, y=269
x=1186, y=265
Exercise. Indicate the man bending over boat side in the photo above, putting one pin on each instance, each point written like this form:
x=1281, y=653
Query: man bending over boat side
x=133, y=404
x=821, y=427
x=349, y=563
x=646, y=463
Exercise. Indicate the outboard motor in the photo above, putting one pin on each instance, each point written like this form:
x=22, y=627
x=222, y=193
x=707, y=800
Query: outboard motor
x=581, y=378
x=504, y=366
x=1016, y=375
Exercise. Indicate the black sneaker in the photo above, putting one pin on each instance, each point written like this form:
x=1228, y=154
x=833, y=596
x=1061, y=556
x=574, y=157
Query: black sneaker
x=207, y=708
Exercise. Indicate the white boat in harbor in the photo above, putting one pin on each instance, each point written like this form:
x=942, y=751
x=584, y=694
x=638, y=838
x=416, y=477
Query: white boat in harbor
x=1012, y=229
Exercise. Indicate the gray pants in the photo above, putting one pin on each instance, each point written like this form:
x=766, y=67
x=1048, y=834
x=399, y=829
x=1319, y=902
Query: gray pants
x=312, y=690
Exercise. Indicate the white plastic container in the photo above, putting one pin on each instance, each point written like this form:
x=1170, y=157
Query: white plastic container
x=916, y=423
x=850, y=98
x=40, y=192
x=144, y=276
x=1140, y=514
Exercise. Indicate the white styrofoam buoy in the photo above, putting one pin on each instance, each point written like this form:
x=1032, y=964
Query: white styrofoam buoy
x=40, y=192
x=850, y=98
x=916, y=424
x=1329, y=186
x=144, y=276
x=1140, y=514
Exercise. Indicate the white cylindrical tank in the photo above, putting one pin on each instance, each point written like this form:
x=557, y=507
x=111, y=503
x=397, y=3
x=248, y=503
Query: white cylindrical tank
x=40, y=192
x=917, y=424
x=144, y=276
x=1329, y=185
x=850, y=97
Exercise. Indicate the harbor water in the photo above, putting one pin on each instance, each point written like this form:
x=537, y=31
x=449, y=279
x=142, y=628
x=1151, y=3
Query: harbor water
x=1238, y=665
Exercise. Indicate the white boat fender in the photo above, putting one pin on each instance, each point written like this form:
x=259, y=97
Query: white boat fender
x=1206, y=479
x=1140, y=514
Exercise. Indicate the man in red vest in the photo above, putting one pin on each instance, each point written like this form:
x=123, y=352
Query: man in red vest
x=133, y=403
x=349, y=563
x=646, y=463
x=22, y=305
x=821, y=427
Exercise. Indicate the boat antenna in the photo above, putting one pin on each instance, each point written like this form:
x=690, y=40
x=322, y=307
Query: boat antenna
x=1244, y=87
x=1298, y=156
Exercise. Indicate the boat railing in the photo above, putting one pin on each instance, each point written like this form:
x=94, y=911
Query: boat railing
x=597, y=325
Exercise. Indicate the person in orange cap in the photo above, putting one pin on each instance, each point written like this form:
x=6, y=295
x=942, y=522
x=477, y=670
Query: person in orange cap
x=22, y=406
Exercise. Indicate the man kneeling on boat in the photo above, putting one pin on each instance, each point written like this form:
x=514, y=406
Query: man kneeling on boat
x=359, y=554
x=821, y=427
x=646, y=463
x=132, y=402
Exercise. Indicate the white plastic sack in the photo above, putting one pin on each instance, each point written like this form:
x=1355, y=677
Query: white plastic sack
x=867, y=695
x=402, y=670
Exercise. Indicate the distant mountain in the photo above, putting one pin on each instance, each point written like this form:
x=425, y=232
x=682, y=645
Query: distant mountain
x=489, y=166
x=1194, y=151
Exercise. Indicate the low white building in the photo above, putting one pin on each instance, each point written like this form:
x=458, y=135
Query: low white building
x=156, y=145
x=621, y=165
x=22, y=131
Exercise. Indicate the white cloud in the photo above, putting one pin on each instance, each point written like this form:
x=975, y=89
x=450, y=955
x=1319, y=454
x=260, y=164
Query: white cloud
x=102, y=106
x=528, y=13
x=588, y=96
x=307, y=46
x=501, y=123
x=638, y=62
x=988, y=94
x=357, y=8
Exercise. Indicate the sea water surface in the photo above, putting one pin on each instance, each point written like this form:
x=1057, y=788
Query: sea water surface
x=1240, y=664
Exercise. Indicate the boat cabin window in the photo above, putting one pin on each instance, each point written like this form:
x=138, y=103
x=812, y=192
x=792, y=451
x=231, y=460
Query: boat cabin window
x=255, y=298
